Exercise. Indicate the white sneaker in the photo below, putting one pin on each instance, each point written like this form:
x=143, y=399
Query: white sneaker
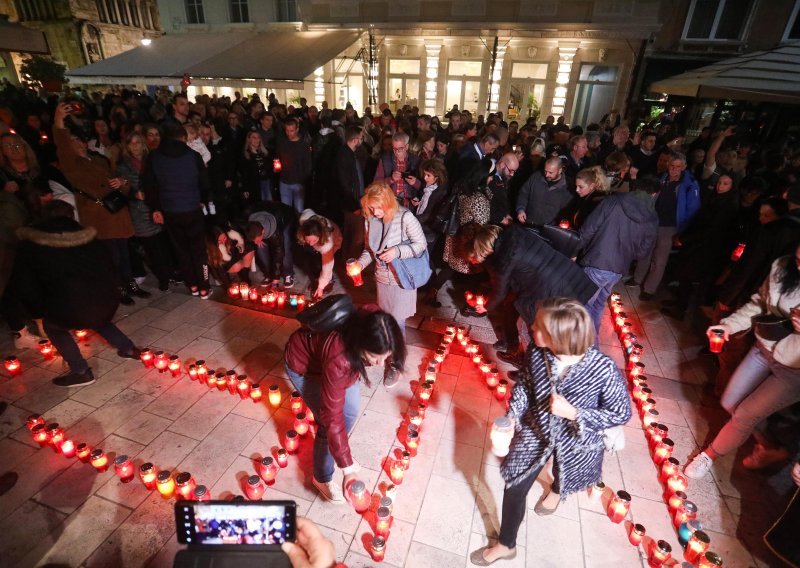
x=331, y=490
x=699, y=467
x=24, y=339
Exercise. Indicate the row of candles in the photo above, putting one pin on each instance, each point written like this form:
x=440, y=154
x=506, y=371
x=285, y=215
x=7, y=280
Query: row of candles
x=267, y=296
x=13, y=365
x=695, y=541
x=180, y=486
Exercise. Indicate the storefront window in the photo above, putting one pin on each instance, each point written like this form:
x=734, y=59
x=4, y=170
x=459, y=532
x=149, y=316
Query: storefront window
x=404, y=82
x=464, y=85
x=350, y=89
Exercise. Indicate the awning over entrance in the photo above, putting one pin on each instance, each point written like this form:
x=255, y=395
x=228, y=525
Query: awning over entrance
x=761, y=76
x=233, y=59
x=18, y=38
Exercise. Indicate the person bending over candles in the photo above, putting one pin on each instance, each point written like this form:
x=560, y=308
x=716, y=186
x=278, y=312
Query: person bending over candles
x=768, y=379
x=524, y=270
x=567, y=394
x=328, y=368
x=324, y=238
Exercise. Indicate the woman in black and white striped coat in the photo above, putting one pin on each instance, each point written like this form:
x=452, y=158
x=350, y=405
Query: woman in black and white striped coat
x=567, y=393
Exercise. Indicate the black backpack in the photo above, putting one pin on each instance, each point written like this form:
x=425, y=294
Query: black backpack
x=445, y=220
x=328, y=314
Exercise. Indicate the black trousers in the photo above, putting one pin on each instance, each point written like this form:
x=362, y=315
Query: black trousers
x=158, y=250
x=515, y=503
x=186, y=231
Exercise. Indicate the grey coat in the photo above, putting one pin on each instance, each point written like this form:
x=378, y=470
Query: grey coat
x=542, y=200
x=141, y=215
x=596, y=388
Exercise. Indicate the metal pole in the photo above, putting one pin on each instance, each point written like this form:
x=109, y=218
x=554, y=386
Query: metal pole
x=491, y=76
x=373, y=70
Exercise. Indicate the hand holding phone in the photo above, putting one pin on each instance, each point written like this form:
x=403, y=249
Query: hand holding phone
x=264, y=523
x=312, y=549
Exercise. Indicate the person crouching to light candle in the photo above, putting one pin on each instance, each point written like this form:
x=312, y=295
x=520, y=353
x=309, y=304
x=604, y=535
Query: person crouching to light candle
x=324, y=238
x=327, y=368
x=393, y=238
x=586, y=394
x=768, y=379
x=70, y=281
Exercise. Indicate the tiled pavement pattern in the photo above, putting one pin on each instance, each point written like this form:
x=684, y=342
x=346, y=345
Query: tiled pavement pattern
x=62, y=512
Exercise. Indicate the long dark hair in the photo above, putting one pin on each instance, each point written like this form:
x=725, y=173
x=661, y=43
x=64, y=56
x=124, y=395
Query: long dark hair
x=372, y=332
x=789, y=274
x=476, y=178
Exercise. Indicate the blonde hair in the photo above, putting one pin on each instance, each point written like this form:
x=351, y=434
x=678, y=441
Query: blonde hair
x=382, y=195
x=565, y=325
x=595, y=175
x=482, y=244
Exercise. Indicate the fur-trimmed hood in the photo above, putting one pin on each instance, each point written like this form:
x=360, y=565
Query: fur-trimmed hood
x=58, y=233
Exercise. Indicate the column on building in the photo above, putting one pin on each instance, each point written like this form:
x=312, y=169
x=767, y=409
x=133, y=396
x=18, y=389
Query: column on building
x=566, y=56
x=432, y=51
x=496, y=75
x=319, y=86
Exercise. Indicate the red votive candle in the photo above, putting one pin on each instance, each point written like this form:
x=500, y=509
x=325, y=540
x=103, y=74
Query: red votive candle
x=83, y=451
x=492, y=378
x=255, y=393
x=46, y=349
x=192, y=370
x=660, y=552
x=231, y=381
x=55, y=435
x=697, y=546
x=716, y=340
x=650, y=417
x=274, y=395
x=296, y=403
x=738, y=252
x=378, y=548
x=12, y=365
x=202, y=371
x=254, y=488
x=636, y=534
x=175, y=366
x=686, y=512
x=39, y=434
x=99, y=460
x=233, y=291
x=243, y=387
x=268, y=470
x=359, y=496
x=663, y=451
x=34, y=420
x=124, y=469
x=383, y=521
x=201, y=493
x=412, y=440
x=676, y=482
x=710, y=560
x=396, y=472
x=301, y=423
x=68, y=448
x=184, y=485
x=425, y=391
x=291, y=442
x=165, y=484
x=282, y=457
x=148, y=473
x=501, y=392
x=161, y=361
x=244, y=291
x=676, y=501
x=669, y=467
x=618, y=506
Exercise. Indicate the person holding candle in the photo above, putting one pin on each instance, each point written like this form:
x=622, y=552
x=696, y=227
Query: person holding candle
x=768, y=379
x=566, y=395
x=327, y=368
x=392, y=232
x=70, y=284
x=325, y=239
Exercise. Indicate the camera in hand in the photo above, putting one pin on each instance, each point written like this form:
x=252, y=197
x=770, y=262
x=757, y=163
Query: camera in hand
x=227, y=533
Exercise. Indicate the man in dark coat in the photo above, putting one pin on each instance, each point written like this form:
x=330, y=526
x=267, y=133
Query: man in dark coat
x=176, y=185
x=543, y=195
x=523, y=266
x=69, y=283
x=620, y=230
x=350, y=181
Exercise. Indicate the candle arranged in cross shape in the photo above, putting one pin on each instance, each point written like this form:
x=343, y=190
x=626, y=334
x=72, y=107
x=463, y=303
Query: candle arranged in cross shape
x=55, y=436
x=501, y=392
x=175, y=366
x=660, y=552
x=378, y=548
x=46, y=349
x=296, y=402
x=670, y=466
x=301, y=423
x=710, y=560
x=492, y=378
x=39, y=434
x=34, y=420
x=676, y=501
x=202, y=371
x=201, y=493
x=383, y=520
x=165, y=484
x=233, y=290
x=359, y=496
x=291, y=441
x=501, y=434
x=282, y=457
x=662, y=451
x=596, y=491
x=244, y=291
x=687, y=529
x=274, y=395
x=243, y=386
x=161, y=361
x=396, y=472
x=255, y=393
x=99, y=460
x=676, y=482
x=686, y=512
x=68, y=448
x=192, y=371
x=83, y=451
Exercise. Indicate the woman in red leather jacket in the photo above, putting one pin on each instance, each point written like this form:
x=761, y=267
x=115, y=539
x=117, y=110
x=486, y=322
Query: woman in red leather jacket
x=327, y=368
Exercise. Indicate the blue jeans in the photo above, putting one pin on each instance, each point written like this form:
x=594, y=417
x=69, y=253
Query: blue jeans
x=293, y=194
x=62, y=340
x=266, y=189
x=312, y=395
x=605, y=280
x=759, y=387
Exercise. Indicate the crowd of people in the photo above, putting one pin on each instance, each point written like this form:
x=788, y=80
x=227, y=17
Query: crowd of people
x=98, y=190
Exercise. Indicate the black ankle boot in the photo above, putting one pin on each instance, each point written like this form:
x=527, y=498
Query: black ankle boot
x=125, y=298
